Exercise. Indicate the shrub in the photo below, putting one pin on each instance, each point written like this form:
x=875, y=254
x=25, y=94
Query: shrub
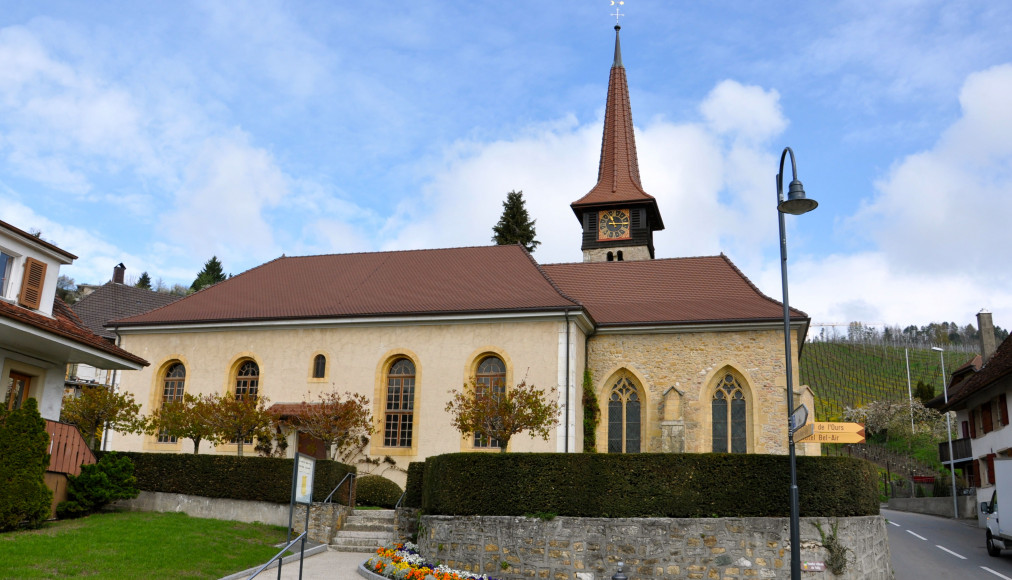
x=227, y=476
x=413, y=487
x=110, y=479
x=646, y=485
x=24, y=498
x=376, y=490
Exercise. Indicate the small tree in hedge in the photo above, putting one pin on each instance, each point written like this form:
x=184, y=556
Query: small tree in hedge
x=501, y=415
x=99, y=407
x=340, y=421
x=188, y=418
x=239, y=419
x=112, y=478
x=24, y=497
x=591, y=414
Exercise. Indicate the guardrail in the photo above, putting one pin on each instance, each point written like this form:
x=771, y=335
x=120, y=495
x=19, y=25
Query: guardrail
x=278, y=555
x=351, y=489
x=961, y=449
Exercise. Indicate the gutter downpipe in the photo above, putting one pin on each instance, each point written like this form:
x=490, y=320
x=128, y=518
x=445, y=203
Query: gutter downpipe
x=568, y=410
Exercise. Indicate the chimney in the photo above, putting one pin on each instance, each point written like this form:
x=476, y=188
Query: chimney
x=119, y=269
x=986, y=328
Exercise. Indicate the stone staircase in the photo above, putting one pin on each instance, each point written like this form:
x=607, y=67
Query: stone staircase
x=365, y=531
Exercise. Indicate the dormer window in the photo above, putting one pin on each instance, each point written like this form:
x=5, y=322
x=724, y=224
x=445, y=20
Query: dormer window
x=6, y=266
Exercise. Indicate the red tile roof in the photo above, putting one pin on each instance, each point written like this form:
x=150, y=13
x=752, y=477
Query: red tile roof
x=997, y=367
x=446, y=281
x=66, y=324
x=671, y=291
x=112, y=301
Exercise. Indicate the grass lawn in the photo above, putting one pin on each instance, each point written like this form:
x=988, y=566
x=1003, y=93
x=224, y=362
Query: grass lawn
x=137, y=545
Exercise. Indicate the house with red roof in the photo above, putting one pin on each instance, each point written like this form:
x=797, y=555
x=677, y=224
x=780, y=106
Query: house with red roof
x=683, y=354
x=39, y=334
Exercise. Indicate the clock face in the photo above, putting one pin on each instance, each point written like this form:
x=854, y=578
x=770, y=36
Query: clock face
x=613, y=224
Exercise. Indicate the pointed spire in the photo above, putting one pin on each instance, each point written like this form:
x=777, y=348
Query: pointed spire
x=618, y=174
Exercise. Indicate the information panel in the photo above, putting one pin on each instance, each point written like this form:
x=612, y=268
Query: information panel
x=304, y=479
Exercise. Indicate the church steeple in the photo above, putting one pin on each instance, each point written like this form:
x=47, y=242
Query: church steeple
x=618, y=216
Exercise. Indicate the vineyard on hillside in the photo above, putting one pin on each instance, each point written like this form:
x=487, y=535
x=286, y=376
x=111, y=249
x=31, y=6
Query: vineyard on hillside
x=850, y=374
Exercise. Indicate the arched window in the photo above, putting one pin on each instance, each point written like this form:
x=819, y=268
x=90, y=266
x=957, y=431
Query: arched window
x=319, y=366
x=490, y=380
x=400, y=408
x=619, y=255
x=172, y=390
x=611, y=256
x=623, y=418
x=247, y=380
x=728, y=407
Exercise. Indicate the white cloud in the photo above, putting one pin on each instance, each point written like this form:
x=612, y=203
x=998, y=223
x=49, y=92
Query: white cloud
x=746, y=111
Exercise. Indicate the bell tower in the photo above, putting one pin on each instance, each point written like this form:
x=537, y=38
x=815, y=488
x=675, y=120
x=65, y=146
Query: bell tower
x=618, y=218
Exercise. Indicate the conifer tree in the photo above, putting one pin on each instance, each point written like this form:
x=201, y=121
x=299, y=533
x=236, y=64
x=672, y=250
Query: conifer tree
x=144, y=281
x=515, y=225
x=211, y=274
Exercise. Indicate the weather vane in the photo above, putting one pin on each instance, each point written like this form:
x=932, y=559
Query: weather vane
x=617, y=4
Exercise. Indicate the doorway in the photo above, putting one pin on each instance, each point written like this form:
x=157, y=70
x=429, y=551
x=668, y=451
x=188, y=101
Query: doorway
x=17, y=392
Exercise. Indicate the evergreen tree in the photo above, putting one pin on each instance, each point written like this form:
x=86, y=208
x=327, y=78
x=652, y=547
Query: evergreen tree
x=24, y=447
x=515, y=225
x=211, y=274
x=144, y=281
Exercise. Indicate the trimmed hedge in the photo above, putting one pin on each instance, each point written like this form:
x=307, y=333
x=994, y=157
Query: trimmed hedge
x=376, y=490
x=413, y=487
x=228, y=476
x=685, y=485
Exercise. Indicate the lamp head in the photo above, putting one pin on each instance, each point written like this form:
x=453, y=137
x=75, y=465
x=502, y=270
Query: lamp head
x=937, y=349
x=796, y=202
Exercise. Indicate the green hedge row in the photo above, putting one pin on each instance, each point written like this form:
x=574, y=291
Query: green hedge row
x=413, y=487
x=228, y=476
x=645, y=485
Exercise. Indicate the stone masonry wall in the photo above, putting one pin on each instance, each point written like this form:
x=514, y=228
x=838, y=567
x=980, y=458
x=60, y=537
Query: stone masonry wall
x=325, y=519
x=514, y=548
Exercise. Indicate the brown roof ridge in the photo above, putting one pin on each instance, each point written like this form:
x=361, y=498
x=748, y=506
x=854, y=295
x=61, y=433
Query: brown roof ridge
x=37, y=240
x=756, y=288
x=549, y=278
x=670, y=259
x=374, y=252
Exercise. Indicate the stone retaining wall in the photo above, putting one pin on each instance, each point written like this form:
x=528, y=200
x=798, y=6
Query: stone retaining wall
x=936, y=506
x=565, y=548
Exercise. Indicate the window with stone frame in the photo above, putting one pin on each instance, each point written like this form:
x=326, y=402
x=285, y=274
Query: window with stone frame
x=173, y=385
x=624, y=417
x=247, y=380
x=398, y=424
x=319, y=366
x=490, y=380
x=729, y=413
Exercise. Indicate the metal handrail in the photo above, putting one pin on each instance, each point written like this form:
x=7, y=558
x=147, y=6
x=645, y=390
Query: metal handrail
x=276, y=556
x=400, y=499
x=338, y=486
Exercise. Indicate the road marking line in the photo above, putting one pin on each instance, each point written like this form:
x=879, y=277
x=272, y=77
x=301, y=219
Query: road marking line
x=944, y=549
x=995, y=573
x=895, y=524
x=922, y=537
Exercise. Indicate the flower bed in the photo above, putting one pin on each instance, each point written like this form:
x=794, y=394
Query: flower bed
x=403, y=562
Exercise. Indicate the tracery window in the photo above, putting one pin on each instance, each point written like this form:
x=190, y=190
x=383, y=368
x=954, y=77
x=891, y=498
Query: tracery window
x=490, y=380
x=319, y=366
x=173, y=384
x=624, y=418
x=247, y=380
x=729, y=417
x=400, y=406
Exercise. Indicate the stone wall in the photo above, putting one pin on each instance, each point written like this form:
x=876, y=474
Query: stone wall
x=564, y=548
x=936, y=506
x=325, y=519
x=406, y=524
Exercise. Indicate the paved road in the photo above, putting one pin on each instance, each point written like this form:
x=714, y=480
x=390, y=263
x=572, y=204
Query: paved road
x=941, y=548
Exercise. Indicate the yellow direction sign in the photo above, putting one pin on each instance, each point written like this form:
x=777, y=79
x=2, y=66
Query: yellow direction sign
x=804, y=432
x=826, y=432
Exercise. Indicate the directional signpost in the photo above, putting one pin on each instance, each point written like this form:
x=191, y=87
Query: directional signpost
x=825, y=432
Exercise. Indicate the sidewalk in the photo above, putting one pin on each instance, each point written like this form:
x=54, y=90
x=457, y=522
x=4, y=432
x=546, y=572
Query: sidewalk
x=325, y=565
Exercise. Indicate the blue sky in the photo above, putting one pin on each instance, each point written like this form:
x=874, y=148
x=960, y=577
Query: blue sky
x=159, y=134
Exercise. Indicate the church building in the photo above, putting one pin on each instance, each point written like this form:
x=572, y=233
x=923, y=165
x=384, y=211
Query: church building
x=684, y=354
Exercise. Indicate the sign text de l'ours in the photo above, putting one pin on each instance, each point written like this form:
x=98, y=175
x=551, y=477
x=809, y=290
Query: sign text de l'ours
x=832, y=432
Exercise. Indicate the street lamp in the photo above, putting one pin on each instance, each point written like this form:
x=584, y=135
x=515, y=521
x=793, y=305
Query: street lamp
x=948, y=432
x=795, y=204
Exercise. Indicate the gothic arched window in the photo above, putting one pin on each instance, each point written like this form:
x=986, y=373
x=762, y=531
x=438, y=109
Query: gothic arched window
x=247, y=380
x=729, y=424
x=400, y=404
x=490, y=380
x=623, y=418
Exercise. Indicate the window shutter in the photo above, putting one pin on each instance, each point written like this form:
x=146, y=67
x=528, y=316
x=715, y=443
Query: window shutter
x=31, y=285
x=966, y=429
x=990, y=468
x=1003, y=408
x=973, y=424
x=976, y=473
x=985, y=417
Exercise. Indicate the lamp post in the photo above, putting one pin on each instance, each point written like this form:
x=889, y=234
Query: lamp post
x=795, y=204
x=948, y=433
